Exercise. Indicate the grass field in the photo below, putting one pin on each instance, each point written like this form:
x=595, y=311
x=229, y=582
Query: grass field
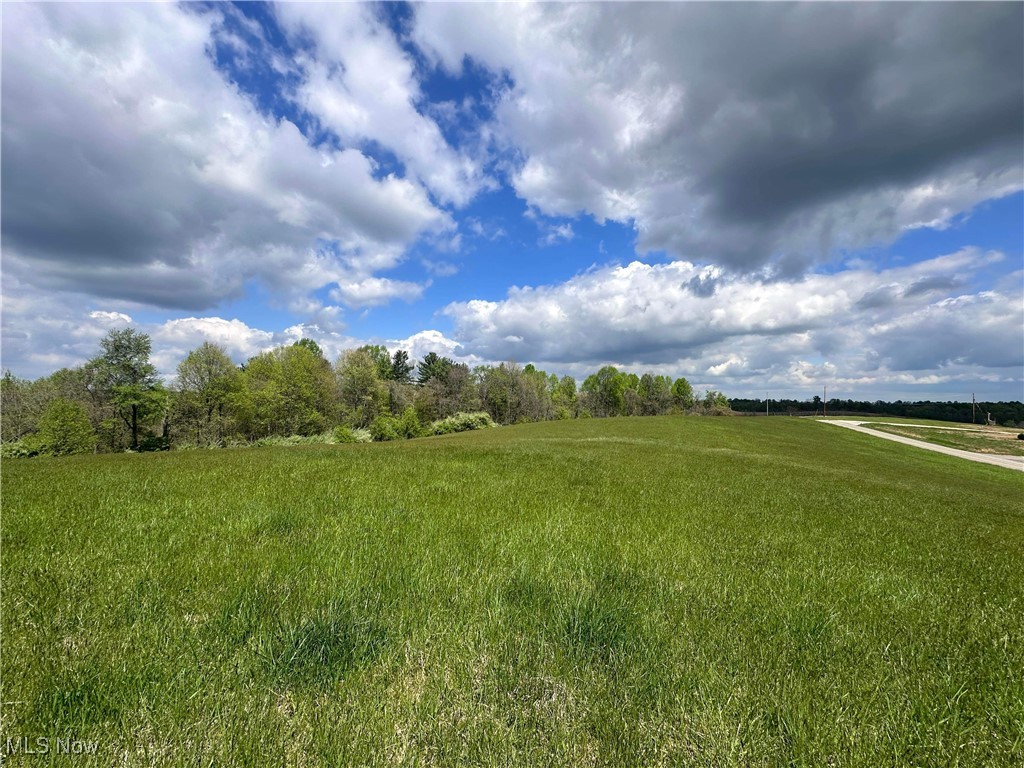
x=623, y=592
x=993, y=440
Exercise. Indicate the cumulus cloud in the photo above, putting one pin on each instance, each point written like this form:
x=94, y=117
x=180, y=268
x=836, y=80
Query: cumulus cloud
x=134, y=170
x=750, y=135
x=363, y=87
x=861, y=327
x=374, y=291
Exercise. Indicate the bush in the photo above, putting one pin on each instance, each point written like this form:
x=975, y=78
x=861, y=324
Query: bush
x=276, y=441
x=154, y=443
x=1020, y=436
x=25, y=448
x=343, y=434
x=64, y=429
x=409, y=424
x=462, y=422
x=385, y=428
x=362, y=435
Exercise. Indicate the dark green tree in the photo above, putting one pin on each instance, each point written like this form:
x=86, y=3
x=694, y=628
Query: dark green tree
x=123, y=377
x=401, y=368
x=432, y=365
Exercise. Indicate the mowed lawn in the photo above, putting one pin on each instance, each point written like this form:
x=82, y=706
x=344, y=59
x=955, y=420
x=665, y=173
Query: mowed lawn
x=625, y=592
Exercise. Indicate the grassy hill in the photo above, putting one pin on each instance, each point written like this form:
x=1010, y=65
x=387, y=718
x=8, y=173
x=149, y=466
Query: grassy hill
x=659, y=591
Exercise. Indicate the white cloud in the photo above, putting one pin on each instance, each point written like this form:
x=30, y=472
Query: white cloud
x=560, y=233
x=746, y=136
x=133, y=170
x=361, y=85
x=374, y=291
x=743, y=332
x=422, y=342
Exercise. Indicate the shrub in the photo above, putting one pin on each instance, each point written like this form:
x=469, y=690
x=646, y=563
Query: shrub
x=343, y=434
x=385, y=428
x=64, y=429
x=1020, y=436
x=25, y=448
x=154, y=443
x=273, y=440
x=409, y=424
x=362, y=435
x=462, y=422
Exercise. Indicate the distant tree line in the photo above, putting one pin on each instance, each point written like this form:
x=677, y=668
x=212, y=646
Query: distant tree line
x=1010, y=414
x=117, y=401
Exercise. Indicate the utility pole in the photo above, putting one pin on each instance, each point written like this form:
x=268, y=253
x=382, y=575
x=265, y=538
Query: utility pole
x=974, y=404
x=824, y=402
x=765, y=403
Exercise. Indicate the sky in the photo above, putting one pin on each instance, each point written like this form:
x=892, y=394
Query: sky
x=764, y=198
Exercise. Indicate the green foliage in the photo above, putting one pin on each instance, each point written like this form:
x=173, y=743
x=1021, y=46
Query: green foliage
x=409, y=424
x=682, y=393
x=361, y=390
x=563, y=396
x=312, y=346
x=715, y=402
x=343, y=434
x=381, y=360
x=209, y=396
x=154, y=443
x=385, y=428
x=64, y=429
x=462, y=422
x=432, y=366
x=362, y=435
x=123, y=378
x=25, y=448
x=605, y=392
x=401, y=368
x=289, y=391
x=281, y=441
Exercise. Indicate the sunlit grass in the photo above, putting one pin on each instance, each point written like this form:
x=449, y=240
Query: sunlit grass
x=660, y=591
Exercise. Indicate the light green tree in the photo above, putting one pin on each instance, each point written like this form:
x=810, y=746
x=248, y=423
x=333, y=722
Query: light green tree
x=682, y=393
x=64, y=429
x=209, y=387
x=605, y=391
x=361, y=390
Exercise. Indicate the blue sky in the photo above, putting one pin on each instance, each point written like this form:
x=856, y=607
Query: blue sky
x=761, y=198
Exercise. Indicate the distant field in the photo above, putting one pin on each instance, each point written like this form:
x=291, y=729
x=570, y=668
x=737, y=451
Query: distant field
x=660, y=591
x=994, y=440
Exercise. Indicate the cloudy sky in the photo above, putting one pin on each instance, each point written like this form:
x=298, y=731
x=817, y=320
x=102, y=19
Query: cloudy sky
x=766, y=197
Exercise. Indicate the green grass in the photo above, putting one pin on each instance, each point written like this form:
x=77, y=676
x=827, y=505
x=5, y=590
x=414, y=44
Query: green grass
x=660, y=591
x=1003, y=442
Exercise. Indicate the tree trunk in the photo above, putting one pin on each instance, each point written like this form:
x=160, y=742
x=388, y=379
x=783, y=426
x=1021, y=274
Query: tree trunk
x=135, y=427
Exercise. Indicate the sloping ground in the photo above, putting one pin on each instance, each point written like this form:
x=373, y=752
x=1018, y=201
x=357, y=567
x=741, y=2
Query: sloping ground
x=661, y=591
x=999, y=460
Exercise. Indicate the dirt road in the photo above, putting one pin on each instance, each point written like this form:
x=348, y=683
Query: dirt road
x=1010, y=462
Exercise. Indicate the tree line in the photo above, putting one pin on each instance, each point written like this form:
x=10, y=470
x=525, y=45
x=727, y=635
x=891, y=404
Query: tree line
x=117, y=400
x=1009, y=414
